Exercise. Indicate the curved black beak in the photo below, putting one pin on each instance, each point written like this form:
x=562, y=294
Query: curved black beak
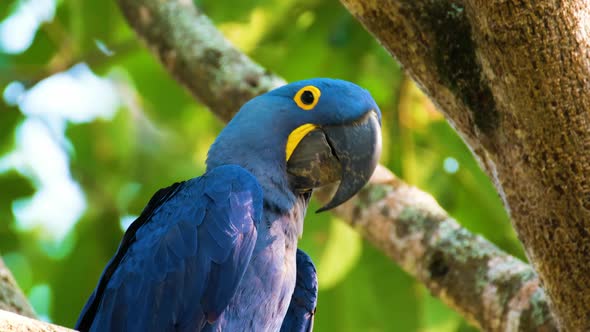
x=347, y=153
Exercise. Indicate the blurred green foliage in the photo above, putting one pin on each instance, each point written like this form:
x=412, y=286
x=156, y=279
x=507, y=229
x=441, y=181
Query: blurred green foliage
x=161, y=135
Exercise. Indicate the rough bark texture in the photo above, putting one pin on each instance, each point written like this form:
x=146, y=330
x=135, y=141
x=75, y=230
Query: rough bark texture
x=492, y=289
x=11, y=297
x=512, y=77
x=11, y=322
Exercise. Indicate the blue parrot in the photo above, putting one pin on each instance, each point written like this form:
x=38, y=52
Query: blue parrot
x=219, y=252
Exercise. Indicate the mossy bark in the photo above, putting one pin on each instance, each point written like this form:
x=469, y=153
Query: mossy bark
x=512, y=78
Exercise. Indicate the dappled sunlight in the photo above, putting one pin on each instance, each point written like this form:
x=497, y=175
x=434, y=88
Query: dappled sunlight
x=59, y=201
x=77, y=95
x=343, y=250
x=40, y=296
x=41, y=151
x=13, y=92
x=247, y=35
x=18, y=30
x=126, y=221
x=451, y=165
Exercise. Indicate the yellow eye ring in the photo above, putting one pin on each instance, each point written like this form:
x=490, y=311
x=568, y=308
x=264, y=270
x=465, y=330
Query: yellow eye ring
x=307, y=97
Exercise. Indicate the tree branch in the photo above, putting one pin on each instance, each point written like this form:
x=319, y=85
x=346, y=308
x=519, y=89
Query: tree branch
x=198, y=55
x=11, y=297
x=512, y=77
x=492, y=289
x=11, y=322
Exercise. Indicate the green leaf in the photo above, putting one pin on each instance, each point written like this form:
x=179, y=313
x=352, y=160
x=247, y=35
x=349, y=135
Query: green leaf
x=437, y=317
x=20, y=267
x=342, y=253
x=40, y=297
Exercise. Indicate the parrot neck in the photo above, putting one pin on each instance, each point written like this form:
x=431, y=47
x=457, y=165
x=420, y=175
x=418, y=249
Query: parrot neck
x=262, y=153
x=271, y=176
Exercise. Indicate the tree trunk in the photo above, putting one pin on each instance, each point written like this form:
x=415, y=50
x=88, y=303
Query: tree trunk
x=512, y=78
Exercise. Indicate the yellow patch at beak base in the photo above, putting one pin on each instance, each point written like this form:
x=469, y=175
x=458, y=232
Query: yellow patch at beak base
x=296, y=136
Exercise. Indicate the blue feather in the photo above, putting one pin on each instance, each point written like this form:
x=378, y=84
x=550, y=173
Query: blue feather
x=182, y=258
x=303, y=303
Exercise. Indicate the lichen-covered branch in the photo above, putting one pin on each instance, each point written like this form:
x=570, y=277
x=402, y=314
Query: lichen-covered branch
x=492, y=289
x=512, y=78
x=11, y=297
x=11, y=322
x=197, y=54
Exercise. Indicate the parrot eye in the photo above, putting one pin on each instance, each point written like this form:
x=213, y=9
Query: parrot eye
x=307, y=97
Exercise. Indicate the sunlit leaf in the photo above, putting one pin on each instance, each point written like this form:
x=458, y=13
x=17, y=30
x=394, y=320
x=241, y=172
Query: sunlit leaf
x=40, y=297
x=342, y=252
x=437, y=317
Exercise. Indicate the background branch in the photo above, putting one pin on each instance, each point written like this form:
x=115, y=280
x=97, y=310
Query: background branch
x=198, y=55
x=11, y=322
x=492, y=289
x=11, y=297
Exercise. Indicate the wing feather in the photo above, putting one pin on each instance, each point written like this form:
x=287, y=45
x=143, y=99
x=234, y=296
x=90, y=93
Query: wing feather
x=303, y=303
x=181, y=261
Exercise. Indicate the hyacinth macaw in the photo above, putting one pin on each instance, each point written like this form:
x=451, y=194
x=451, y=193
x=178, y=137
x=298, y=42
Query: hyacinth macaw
x=219, y=252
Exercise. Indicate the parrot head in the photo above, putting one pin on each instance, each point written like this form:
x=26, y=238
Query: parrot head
x=305, y=135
